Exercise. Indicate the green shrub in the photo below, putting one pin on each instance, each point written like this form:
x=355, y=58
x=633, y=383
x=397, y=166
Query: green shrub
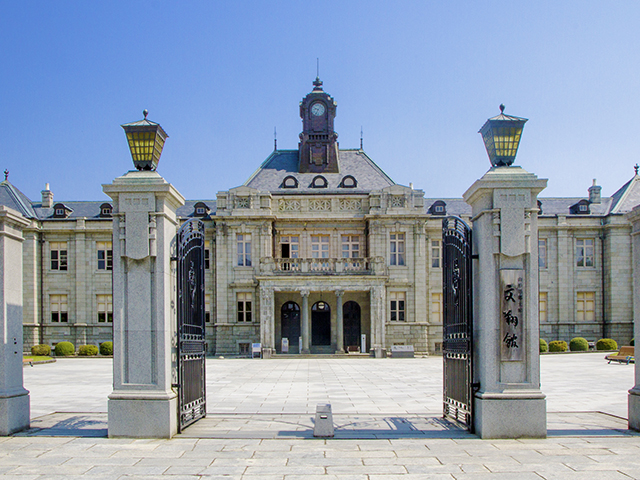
x=543, y=346
x=87, y=350
x=64, y=349
x=578, y=344
x=606, y=344
x=558, y=346
x=106, y=348
x=41, y=350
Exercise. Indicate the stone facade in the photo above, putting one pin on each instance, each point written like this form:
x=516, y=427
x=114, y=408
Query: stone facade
x=297, y=234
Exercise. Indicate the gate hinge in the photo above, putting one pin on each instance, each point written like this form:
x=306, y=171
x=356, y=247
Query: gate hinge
x=475, y=386
x=475, y=256
x=173, y=259
x=175, y=385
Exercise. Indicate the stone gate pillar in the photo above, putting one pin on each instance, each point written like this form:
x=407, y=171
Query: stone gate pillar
x=339, y=322
x=305, y=321
x=14, y=399
x=143, y=403
x=509, y=403
x=634, y=393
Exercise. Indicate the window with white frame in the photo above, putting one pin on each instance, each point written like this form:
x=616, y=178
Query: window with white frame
x=207, y=255
x=396, y=248
x=436, y=253
x=397, y=306
x=542, y=253
x=59, y=309
x=350, y=246
x=290, y=246
x=244, y=307
x=207, y=308
x=105, y=308
x=319, y=246
x=586, y=306
x=244, y=249
x=58, y=255
x=542, y=307
x=105, y=255
x=436, y=308
x=585, y=252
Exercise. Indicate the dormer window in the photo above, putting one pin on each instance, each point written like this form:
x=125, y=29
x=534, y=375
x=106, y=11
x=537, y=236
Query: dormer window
x=319, y=182
x=539, y=207
x=290, y=182
x=439, y=207
x=580, y=208
x=200, y=209
x=349, y=182
x=61, y=211
x=106, y=210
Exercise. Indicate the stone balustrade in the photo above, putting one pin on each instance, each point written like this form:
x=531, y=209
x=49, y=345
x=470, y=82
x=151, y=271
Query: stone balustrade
x=348, y=266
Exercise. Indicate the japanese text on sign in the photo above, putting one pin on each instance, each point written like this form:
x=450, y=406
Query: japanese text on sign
x=512, y=341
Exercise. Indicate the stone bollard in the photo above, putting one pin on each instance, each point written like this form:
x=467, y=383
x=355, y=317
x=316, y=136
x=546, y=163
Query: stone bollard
x=324, y=421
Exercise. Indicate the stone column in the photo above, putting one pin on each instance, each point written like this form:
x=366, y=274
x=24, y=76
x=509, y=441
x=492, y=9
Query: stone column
x=509, y=403
x=143, y=403
x=634, y=393
x=305, y=321
x=339, y=322
x=378, y=317
x=14, y=399
x=267, y=329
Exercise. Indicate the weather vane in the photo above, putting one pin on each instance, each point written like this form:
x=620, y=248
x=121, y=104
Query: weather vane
x=6, y=174
x=636, y=167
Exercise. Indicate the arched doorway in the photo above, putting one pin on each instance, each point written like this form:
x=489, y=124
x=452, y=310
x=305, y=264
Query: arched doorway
x=320, y=324
x=351, y=322
x=290, y=324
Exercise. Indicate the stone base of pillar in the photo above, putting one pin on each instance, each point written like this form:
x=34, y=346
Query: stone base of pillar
x=340, y=351
x=510, y=416
x=268, y=352
x=634, y=409
x=14, y=412
x=140, y=415
x=377, y=352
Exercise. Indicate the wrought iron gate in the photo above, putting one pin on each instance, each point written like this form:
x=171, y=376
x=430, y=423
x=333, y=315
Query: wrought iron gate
x=457, y=329
x=191, y=331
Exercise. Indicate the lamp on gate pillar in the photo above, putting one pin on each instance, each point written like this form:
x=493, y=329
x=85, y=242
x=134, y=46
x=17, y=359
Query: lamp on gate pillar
x=146, y=140
x=501, y=136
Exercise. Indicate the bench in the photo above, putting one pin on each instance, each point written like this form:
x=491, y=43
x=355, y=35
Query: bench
x=624, y=355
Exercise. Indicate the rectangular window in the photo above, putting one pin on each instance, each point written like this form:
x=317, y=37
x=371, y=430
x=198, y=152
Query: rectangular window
x=207, y=255
x=436, y=253
x=436, y=308
x=397, y=306
x=396, y=248
x=244, y=250
x=584, y=252
x=105, y=255
x=58, y=255
x=58, y=306
x=207, y=308
x=319, y=246
x=105, y=308
x=586, y=307
x=350, y=246
x=542, y=253
x=290, y=246
x=542, y=307
x=244, y=307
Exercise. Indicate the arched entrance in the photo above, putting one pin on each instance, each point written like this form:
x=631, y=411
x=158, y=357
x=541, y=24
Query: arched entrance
x=351, y=319
x=290, y=324
x=320, y=324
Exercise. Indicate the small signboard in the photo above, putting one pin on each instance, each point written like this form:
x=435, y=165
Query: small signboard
x=512, y=341
x=363, y=343
x=256, y=348
x=402, y=351
x=299, y=344
x=285, y=345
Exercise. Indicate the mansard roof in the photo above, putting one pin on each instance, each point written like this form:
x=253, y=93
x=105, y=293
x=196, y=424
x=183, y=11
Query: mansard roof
x=284, y=163
x=11, y=197
x=627, y=197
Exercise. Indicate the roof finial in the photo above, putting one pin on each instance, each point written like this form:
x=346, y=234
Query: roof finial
x=145, y=112
x=502, y=108
x=636, y=167
x=318, y=67
x=6, y=174
x=360, y=137
x=275, y=139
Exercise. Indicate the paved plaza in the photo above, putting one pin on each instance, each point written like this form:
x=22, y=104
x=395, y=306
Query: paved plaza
x=386, y=413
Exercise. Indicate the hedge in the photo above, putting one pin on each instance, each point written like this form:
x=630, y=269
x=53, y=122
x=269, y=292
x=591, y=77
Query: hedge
x=87, y=350
x=606, y=344
x=578, y=344
x=543, y=346
x=64, y=349
x=558, y=346
x=41, y=350
x=106, y=348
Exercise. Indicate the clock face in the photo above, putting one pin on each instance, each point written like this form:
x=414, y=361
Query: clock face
x=317, y=109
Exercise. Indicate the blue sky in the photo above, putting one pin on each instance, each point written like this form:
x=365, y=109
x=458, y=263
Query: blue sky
x=420, y=78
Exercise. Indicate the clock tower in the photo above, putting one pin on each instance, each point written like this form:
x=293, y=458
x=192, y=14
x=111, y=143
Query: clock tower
x=318, y=147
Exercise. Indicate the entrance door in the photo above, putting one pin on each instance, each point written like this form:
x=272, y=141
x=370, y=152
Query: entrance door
x=290, y=324
x=320, y=324
x=351, y=319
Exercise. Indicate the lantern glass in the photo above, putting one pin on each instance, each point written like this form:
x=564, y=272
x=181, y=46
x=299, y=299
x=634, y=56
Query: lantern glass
x=146, y=141
x=501, y=136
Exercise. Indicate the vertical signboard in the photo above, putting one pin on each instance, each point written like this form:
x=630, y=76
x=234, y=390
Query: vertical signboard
x=512, y=340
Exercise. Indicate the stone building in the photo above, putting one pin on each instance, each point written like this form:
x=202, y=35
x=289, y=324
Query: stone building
x=320, y=247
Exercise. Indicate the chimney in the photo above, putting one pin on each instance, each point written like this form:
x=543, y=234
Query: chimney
x=47, y=197
x=594, y=193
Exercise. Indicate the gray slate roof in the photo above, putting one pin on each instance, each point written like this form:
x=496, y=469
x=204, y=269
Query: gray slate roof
x=283, y=163
x=11, y=197
x=627, y=197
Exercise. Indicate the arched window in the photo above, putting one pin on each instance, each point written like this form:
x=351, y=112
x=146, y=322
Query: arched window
x=290, y=182
x=319, y=182
x=349, y=181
